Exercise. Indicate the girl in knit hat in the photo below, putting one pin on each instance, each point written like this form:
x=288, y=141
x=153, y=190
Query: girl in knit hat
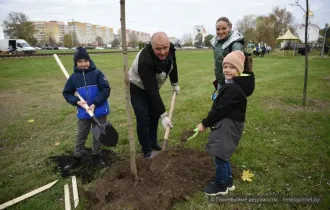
x=226, y=120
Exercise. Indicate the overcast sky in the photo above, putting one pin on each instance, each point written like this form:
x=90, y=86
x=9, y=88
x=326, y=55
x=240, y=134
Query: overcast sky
x=175, y=17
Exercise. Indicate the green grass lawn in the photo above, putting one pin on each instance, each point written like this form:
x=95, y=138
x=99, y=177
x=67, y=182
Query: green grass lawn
x=285, y=145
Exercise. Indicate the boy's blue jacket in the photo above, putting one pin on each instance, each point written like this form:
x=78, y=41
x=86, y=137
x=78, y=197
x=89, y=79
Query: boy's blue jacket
x=93, y=86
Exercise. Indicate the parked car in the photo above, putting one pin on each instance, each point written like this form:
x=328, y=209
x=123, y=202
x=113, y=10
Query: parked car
x=188, y=47
x=50, y=48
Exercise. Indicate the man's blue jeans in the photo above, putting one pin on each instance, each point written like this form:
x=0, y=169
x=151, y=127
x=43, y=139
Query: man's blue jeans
x=146, y=123
x=223, y=170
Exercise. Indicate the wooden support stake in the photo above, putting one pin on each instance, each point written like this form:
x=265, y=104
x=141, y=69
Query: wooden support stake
x=75, y=191
x=27, y=195
x=67, y=197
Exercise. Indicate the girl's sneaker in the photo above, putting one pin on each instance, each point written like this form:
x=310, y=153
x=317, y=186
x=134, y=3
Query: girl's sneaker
x=214, y=189
x=230, y=184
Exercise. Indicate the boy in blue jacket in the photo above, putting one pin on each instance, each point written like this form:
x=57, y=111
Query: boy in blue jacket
x=93, y=86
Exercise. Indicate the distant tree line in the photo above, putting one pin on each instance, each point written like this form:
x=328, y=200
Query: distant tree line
x=266, y=28
x=17, y=26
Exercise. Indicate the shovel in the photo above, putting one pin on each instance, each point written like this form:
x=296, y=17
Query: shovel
x=193, y=136
x=167, y=130
x=105, y=133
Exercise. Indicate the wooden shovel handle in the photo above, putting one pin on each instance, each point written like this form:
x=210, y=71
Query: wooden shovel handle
x=85, y=105
x=168, y=128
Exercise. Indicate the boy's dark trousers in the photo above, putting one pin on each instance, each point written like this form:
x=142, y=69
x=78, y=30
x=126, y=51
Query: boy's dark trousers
x=223, y=170
x=146, y=122
x=84, y=126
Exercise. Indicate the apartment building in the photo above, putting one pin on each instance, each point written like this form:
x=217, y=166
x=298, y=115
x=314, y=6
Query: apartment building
x=49, y=29
x=79, y=29
x=87, y=33
x=108, y=34
x=40, y=29
x=138, y=35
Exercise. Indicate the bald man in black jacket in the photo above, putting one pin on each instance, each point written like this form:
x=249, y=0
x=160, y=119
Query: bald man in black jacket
x=149, y=71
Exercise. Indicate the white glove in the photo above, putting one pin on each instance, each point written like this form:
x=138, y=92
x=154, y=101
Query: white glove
x=176, y=88
x=166, y=122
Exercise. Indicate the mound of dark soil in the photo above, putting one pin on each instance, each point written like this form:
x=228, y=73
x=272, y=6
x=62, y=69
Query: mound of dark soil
x=172, y=176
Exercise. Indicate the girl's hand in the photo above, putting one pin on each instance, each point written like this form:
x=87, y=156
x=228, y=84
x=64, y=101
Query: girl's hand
x=201, y=127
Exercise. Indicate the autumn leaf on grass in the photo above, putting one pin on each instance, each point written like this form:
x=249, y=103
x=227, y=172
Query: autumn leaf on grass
x=247, y=175
x=57, y=143
x=30, y=121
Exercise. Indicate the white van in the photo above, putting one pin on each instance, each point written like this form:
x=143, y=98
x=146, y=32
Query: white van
x=16, y=46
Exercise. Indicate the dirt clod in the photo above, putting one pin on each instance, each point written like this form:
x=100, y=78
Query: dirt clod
x=186, y=134
x=87, y=171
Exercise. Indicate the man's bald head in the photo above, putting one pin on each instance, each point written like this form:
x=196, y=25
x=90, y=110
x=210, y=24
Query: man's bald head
x=160, y=45
x=159, y=36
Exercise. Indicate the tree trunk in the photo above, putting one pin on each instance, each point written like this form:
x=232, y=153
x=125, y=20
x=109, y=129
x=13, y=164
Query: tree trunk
x=306, y=56
x=127, y=92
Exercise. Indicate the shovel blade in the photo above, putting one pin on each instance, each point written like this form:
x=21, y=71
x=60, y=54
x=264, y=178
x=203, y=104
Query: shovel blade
x=106, y=135
x=154, y=153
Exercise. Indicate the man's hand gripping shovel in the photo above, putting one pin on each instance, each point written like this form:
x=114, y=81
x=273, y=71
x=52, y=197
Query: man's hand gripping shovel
x=168, y=128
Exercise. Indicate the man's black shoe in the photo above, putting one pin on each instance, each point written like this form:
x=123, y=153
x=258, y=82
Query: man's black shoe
x=156, y=147
x=147, y=155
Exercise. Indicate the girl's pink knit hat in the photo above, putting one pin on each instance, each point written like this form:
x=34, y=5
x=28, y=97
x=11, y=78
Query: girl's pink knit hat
x=235, y=58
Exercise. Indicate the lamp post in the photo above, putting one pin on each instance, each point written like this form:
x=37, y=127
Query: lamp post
x=324, y=38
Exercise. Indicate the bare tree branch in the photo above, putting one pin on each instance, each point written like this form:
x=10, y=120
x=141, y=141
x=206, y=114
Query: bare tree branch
x=296, y=3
